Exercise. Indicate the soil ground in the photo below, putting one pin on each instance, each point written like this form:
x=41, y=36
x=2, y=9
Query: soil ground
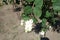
x=53, y=35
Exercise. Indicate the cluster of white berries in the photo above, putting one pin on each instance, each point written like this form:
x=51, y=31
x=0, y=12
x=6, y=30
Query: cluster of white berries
x=28, y=25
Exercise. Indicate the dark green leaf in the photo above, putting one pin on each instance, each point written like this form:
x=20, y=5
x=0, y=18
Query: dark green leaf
x=48, y=14
x=34, y=20
x=37, y=11
x=44, y=26
x=38, y=3
x=25, y=17
x=27, y=10
x=44, y=22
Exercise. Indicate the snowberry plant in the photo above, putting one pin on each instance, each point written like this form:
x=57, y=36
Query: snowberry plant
x=41, y=10
x=32, y=11
x=37, y=10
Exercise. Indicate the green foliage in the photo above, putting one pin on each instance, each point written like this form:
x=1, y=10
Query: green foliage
x=25, y=17
x=34, y=20
x=27, y=10
x=48, y=14
x=44, y=26
x=44, y=22
x=38, y=3
x=56, y=5
x=37, y=12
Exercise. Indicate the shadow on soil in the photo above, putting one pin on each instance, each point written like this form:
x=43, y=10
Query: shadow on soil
x=37, y=28
x=56, y=26
x=44, y=38
x=17, y=9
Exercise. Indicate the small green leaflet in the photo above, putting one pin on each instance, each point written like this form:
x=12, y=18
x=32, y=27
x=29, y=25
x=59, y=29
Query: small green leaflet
x=48, y=14
x=44, y=27
x=37, y=11
x=34, y=20
x=27, y=10
x=25, y=17
x=44, y=22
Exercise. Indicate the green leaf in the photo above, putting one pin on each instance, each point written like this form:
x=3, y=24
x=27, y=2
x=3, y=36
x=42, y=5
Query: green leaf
x=29, y=0
x=27, y=10
x=34, y=20
x=44, y=26
x=37, y=11
x=56, y=5
x=38, y=3
x=25, y=17
x=44, y=22
x=48, y=14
